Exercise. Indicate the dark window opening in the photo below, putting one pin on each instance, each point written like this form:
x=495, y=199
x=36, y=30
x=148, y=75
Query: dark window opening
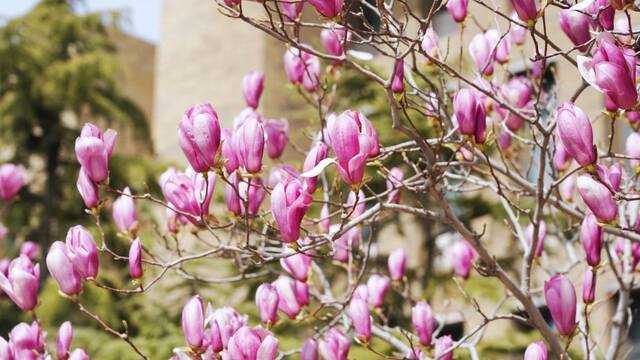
x=453, y=329
x=523, y=326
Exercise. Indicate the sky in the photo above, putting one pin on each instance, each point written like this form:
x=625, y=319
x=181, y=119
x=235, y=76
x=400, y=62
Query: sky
x=140, y=17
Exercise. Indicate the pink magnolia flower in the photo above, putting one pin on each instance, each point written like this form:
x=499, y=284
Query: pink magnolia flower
x=501, y=43
x=309, y=350
x=82, y=251
x=199, y=136
x=292, y=8
x=287, y=300
x=277, y=137
x=397, y=82
x=21, y=282
x=424, y=323
x=248, y=143
x=632, y=149
x=252, y=85
x=575, y=24
x=28, y=341
x=135, y=259
x=124, y=212
x=360, y=318
x=612, y=71
x=267, y=302
x=93, y=150
x=396, y=263
x=591, y=239
x=536, y=351
x=289, y=203
x=560, y=296
x=576, y=134
x=443, y=344
x=327, y=8
x=598, y=198
x=470, y=114
x=458, y=9
x=188, y=192
x=318, y=152
x=12, y=179
x=63, y=340
x=297, y=264
x=429, y=44
x=345, y=243
x=334, y=345
x=193, y=322
x=377, y=287
x=481, y=52
x=462, y=256
x=236, y=195
x=526, y=9
x=394, y=182
x=335, y=40
x=251, y=344
x=62, y=270
x=88, y=190
x=225, y=322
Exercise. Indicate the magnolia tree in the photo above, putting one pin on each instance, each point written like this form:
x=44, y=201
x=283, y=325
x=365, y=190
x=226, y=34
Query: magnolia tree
x=487, y=131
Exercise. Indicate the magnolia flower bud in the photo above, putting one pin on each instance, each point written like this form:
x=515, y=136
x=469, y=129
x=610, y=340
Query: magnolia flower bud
x=354, y=140
x=252, y=85
x=567, y=189
x=589, y=286
x=21, y=282
x=135, y=259
x=429, y=44
x=458, y=9
x=277, y=137
x=248, y=143
x=317, y=153
x=309, y=350
x=188, y=192
x=82, y=251
x=360, y=318
x=536, y=351
x=396, y=263
x=88, y=190
x=542, y=234
x=93, y=150
x=501, y=44
x=591, y=239
x=333, y=40
x=228, y=152
x=423, y=322
x=598, y=198
x=227, y=321
x=575, y=25
x=289, y=203
x=470, y=114
x=287, y=301
x=356, y=204
x=443, y=344
x=327, y=8
x=62, y=269
x=12, y=179
x=301, y=290
x=560, y=296
x=325, y=219
x=199, y=136
x=504, y=140
x=526, y=10
x=79, y=354
x=252, y=343
x=124, y=212
x=482, y=53
x=397, y=82
x=292, y=8
x=574, y=130
x=63, y=340
x=297, y=264
x=27, y=340
x=378, y=286
x=193, y=322
x=6, y=350
x=334, y=345
x=462, y=256
x=267, y=303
